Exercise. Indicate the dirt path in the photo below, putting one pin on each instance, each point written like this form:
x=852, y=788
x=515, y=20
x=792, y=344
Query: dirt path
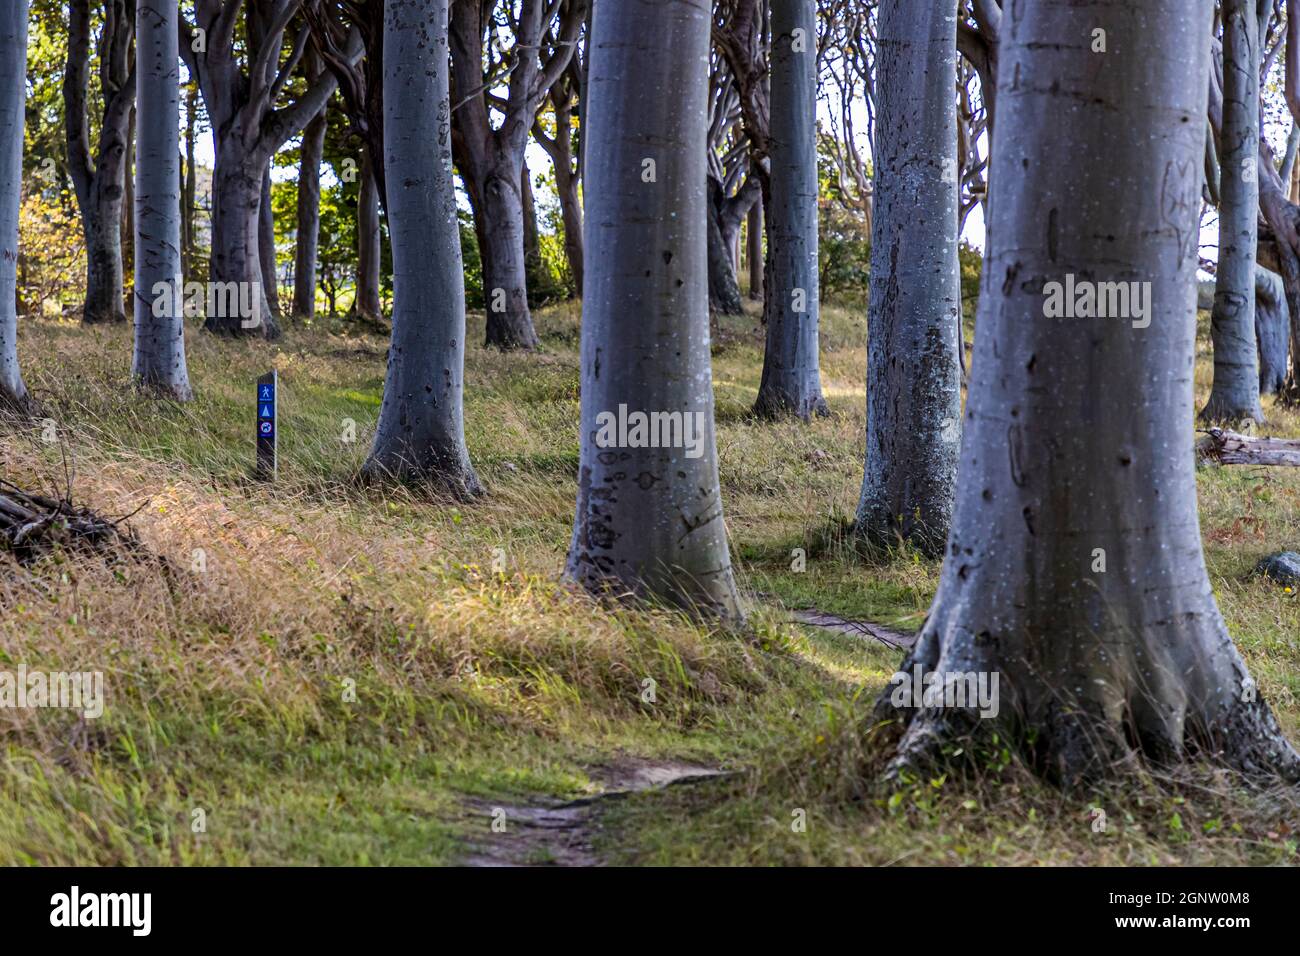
x=557, y=833
x=875, y=632
x=562, y=834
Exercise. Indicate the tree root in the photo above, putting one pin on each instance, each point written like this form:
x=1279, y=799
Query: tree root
x=1073, y=744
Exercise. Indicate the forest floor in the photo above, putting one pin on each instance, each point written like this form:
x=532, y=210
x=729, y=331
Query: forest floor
x=335, y=674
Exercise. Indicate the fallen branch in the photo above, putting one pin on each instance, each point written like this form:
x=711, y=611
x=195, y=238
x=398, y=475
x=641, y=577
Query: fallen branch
x=1231, y=448
x=33, y=524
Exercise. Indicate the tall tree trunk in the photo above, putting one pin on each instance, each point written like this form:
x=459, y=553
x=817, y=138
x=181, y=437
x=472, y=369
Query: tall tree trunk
x=1074, y=569
x=127, y=229
x=649, y=519
x=421, y=425
x=1234, y=395
x=505, y=283
x=754, y=250
x=98, y=175
x=913, y=362
x=248, y=128
x=370, y=247
x=13, y=99
x=791, y=383
x=733, y=214
x=532, y=243
x=266, y=245
x=158, y=365
x=305, y=251
x=1272, y=329
x=724, y=293
x=236, y=266
x=571, y=214
x=490, y=158
x=189, y=190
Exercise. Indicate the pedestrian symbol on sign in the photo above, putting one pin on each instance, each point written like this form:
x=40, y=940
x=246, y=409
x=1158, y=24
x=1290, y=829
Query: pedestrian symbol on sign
x=266, y=409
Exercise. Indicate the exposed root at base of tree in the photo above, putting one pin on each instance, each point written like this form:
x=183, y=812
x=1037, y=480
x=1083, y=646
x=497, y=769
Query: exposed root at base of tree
x=1073, y=745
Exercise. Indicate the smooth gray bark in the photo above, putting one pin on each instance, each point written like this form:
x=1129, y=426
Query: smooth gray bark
x=724, y=291
x=236, y=247
x=158, y=365
x=505, y=276
x=754, y=250
x=1074, y=569
x=266, y=246
x=369, y=245
x=13, y=97
x=791, y=382
x=913, y=348
x=308, y=208
x=571, y=216
x=98, y=176
x=1234, y=396
x=649, y=519
x=421, y=434
x=189, y=189
x=532, y=240
x=1272, y=329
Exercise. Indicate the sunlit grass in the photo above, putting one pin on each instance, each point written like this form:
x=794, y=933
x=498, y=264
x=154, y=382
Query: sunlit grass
x=475, y=672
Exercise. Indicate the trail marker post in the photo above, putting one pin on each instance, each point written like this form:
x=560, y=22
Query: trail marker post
x=267, y=395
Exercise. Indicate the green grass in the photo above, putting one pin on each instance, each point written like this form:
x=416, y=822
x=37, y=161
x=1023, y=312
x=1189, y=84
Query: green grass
x=229, y=688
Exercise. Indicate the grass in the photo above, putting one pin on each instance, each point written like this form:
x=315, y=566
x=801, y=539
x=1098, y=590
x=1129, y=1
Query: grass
x=334, y=671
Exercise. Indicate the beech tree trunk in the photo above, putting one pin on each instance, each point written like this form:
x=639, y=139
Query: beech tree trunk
x=13, y=99
x=128, y=201
x=247, y=130
x=158, y=365
x=1234, y=396
x=266, y=246
x=305, y=250
x=1272, y=329
x=189, y=189
x=649, y=519
x=421, y=434
x=532, y=243
x=724, y=292
x=98, y=177
x=236, y=247
x=571, y=215
x=370, y=247
x=913, y=357
x=505, y=277
x=791, y=382
x=490, y=156
x=754, y=251
x=1074, y=569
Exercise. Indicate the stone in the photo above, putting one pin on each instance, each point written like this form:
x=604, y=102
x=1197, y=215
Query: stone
x=1283, y=567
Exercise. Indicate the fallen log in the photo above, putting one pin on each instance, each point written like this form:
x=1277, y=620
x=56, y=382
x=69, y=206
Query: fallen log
x=1231, y=448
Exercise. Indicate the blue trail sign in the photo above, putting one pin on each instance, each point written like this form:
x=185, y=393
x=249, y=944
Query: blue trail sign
x=267, y=465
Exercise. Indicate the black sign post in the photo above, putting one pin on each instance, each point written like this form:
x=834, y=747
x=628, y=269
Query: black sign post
x=267, y=465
